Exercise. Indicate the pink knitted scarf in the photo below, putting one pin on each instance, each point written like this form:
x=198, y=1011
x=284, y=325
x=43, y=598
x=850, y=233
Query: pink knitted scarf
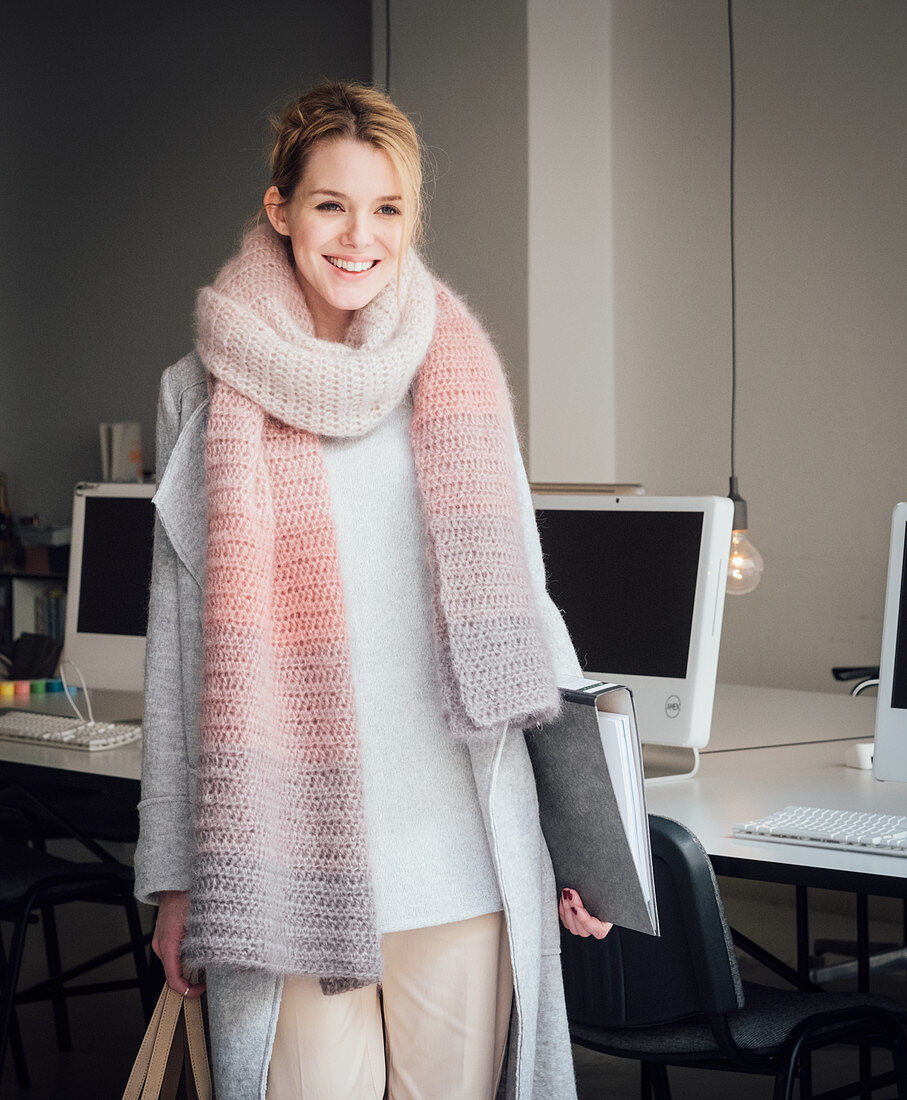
x=281, y=879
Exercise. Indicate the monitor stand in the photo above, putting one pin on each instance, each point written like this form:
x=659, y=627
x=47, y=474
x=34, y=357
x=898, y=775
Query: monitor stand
x=665, y=763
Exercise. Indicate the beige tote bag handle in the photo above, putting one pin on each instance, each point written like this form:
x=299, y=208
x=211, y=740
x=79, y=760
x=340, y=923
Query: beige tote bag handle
x=176, y=1030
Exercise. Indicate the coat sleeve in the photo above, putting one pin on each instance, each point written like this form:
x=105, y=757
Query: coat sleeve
x=163, y=853
x=554, y=628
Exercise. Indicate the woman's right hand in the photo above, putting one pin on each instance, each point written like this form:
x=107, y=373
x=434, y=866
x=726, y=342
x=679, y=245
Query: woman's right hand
x=173, y=909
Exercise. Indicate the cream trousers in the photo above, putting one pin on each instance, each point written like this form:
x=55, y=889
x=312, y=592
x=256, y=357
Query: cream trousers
x=436, y=1031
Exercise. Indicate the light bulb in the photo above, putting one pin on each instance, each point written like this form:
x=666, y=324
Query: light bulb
x=744, y=567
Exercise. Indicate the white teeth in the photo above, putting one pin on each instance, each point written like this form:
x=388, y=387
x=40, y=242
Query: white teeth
x=347, y=265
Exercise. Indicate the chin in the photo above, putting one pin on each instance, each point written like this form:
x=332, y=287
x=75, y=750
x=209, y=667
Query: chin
x=357, y=299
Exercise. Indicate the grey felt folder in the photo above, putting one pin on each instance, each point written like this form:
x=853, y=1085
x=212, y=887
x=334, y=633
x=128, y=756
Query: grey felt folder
x=592, y=803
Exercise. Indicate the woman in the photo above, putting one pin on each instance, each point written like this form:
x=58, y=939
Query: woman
x=348, y=630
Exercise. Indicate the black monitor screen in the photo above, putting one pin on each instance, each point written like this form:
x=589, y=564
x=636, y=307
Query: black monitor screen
x=899, y=673
x=116, y=565
x=626, y=583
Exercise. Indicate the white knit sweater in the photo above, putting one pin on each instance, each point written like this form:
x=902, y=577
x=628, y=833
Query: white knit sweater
x=427, y=843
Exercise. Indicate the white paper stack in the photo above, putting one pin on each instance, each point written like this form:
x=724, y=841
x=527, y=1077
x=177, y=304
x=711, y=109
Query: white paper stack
x=121, y=451
x=592, y=802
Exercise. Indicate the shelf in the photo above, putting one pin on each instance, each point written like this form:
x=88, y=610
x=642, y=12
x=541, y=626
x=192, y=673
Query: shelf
x=21, y=575
x=24, y=601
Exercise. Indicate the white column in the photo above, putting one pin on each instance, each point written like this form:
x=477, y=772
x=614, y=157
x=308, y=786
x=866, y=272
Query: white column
x=571, y=326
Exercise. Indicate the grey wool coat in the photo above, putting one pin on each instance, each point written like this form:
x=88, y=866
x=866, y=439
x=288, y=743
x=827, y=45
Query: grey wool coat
x=243, y=1004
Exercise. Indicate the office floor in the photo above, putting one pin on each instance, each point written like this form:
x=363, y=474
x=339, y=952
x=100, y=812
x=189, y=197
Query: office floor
x=107, y=1028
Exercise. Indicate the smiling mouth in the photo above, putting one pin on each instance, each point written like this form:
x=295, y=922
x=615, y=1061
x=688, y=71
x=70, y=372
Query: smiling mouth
x=354, y=267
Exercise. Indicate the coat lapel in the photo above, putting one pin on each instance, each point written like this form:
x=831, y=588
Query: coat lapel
x=180, y=496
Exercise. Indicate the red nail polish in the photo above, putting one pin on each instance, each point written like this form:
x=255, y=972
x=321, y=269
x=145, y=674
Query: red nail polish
x=568, y=895
x=573, y=909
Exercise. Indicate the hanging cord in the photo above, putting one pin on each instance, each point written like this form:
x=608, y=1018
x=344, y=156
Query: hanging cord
x=730, y=35
x=89, y=721
x=387, y=46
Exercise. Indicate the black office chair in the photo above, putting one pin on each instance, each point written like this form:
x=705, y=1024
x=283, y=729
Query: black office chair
x=678, y=1000
x=32, y=882
x=45, y=812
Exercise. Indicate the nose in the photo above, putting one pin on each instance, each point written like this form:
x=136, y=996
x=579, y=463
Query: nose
x=357, y=233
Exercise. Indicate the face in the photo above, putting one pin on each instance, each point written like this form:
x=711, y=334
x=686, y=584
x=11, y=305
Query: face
x=345, y=225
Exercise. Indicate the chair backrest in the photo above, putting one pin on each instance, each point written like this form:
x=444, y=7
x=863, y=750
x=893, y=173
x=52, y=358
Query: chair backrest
x=631, y=979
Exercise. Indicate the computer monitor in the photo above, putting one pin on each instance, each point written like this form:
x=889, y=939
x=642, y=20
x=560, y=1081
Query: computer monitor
x=889, y=758
x=641, y=583
x=109, y=576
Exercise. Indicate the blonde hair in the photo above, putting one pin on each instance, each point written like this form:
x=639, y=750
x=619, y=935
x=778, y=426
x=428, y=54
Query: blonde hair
x=345, y=109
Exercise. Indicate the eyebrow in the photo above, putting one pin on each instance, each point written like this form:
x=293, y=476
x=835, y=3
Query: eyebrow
x=340, y=195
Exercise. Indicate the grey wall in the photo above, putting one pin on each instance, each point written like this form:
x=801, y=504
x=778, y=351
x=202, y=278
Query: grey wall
x=133, y=138
x=134, y=135
x=459, y=69
x=571, y=243
x=822, y=285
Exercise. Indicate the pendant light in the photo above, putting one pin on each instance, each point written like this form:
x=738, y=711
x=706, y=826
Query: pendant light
x=744, y=569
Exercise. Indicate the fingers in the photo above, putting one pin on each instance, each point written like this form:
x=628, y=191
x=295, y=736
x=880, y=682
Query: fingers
x=196, y=989
x=166, y=943
x=576, y=918
x=173, y=971
x=169, y=955
x=569, y=913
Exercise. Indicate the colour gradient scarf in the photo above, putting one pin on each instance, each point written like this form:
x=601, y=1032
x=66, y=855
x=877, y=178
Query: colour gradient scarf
x=281, y=880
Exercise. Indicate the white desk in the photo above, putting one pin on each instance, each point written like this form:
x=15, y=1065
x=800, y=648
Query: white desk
x=44, y=772
x=771, y=748
x=768, y=748
x=752, y=766
x=124, y=763
x=743, y=784
x=751, y=717
x=744, y=717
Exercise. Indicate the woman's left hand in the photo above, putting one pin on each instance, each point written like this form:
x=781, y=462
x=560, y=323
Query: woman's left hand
x=577, y=920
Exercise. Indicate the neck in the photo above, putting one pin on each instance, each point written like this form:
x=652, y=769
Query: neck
x=330, y=323
x=334, y=327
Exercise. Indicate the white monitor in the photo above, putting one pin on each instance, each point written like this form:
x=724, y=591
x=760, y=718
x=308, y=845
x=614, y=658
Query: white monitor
x=889, y=758
x=109, y=575
x=641, y=583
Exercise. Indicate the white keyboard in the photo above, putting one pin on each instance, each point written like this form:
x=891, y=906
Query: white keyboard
x=845, y=830
x=53, y=729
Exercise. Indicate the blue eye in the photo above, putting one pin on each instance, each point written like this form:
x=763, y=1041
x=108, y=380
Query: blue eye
x=329, y=206
x=388, y=210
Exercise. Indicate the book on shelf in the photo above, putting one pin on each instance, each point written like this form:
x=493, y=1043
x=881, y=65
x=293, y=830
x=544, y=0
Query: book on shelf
x=592, y=802
x=50, y=612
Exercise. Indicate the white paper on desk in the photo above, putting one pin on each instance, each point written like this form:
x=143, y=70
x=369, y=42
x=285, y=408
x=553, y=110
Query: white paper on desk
x=121, y=451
